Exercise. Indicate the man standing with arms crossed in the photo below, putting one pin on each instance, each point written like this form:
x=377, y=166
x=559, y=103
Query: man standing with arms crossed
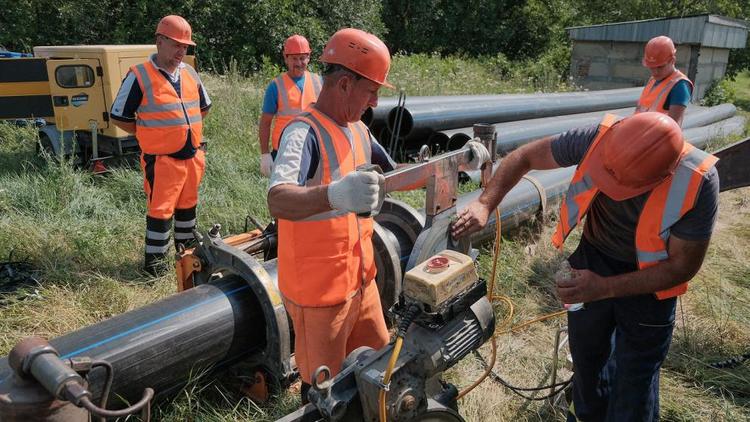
x=164, y=103
x=286, y=96
x=651, y=201
x=668, y=90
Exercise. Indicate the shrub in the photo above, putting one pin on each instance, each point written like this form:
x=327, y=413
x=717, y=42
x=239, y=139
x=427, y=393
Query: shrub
x=720, y=92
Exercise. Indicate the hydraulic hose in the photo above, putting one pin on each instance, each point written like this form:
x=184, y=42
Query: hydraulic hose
x=387, y=378
x=504, y=327
x=491, y=296
x=142, y=405
x=411, y=313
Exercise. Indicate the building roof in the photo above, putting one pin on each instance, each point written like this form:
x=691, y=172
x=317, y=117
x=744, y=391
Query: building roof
x=707, y=30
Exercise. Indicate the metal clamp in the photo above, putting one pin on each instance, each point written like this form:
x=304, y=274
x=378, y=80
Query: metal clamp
x=384, y=387
x=325, y=384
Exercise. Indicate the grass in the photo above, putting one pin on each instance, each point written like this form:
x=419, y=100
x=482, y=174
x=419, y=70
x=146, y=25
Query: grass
x=83, y=236
x=741, y=85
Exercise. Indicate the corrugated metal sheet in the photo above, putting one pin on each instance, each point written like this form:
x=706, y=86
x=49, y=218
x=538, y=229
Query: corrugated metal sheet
x=709, y=30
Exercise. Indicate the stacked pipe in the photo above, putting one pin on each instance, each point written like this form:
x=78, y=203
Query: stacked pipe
x=514, y=134
x=422, y=116
x=444, y=122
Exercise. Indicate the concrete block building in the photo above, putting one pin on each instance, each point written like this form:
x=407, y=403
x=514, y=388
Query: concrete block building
x=609, y=55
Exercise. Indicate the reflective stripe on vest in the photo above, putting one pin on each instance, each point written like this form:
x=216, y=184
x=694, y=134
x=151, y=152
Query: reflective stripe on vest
x=163, y=118
x=291, y=101
x=323, y=259
x=666, y=204
x=581, y=190
x=653, y=98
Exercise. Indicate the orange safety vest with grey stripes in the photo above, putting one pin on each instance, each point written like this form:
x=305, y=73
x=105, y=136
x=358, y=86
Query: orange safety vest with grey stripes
x=323, y=260
x=654, y=97
x=291, y=101
x=665, y=206
x=163, y=118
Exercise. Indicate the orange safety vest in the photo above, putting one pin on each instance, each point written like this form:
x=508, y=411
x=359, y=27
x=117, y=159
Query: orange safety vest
x=163, y=118
x=324, y=259
x=291, y=101
x=654, y=97
x=666, y=204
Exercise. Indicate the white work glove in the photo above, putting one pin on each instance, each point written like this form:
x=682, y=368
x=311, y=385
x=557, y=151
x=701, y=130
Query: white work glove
x=266, y=164
x=357, y=192
x=479, y=154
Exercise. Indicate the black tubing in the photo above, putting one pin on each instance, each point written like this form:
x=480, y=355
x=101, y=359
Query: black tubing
x=421, y=119
x=380, y=113
x=512, y=135
x=160, y=345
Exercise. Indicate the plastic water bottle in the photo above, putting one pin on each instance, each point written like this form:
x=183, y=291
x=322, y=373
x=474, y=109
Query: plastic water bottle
x=565, y=273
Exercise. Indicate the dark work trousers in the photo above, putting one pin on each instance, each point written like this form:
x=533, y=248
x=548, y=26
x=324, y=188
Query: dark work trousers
x=618, y=346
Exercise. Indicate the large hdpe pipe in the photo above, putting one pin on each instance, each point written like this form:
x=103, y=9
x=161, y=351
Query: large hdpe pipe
x=419, y=120
x=702, y=136
x=379, y=114
x=512, y=135
x=162, y=344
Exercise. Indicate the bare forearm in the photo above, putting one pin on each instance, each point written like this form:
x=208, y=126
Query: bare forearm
x=292, y=202
x=264, y=132
x=685, y=259
x=534, y=156
x=662, y=276
x=677, y=113
x=508, y=173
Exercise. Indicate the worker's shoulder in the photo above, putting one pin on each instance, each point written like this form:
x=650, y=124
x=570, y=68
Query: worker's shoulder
x=191, y=70
x=299, y=130
x=711, y=181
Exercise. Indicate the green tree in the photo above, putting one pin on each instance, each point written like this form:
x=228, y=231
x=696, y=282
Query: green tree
x=224, y=30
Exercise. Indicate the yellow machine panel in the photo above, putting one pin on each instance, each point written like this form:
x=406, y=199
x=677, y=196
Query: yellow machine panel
x=77, y=94
x=72, y=89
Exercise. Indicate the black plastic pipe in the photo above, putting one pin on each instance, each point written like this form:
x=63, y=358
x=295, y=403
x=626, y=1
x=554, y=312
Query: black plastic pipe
x=379, y=114
x=422, y=119
x=162, y=344
x=512, y=135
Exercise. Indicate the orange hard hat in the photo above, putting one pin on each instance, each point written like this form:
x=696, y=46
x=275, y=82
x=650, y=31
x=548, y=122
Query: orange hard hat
x=360, y=52
x=296, y=44
x=176, y=28
x=658, y=52
x=636, y=154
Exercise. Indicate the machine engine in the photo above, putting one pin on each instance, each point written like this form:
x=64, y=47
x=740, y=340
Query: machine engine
x=443, y=315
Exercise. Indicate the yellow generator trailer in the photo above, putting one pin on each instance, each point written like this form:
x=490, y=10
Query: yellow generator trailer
x=68, y=92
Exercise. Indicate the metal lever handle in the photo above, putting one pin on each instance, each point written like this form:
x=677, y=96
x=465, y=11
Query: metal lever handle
x=381, y=194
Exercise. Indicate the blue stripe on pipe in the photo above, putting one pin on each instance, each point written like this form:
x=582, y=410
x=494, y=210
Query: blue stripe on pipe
x=150, y=323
